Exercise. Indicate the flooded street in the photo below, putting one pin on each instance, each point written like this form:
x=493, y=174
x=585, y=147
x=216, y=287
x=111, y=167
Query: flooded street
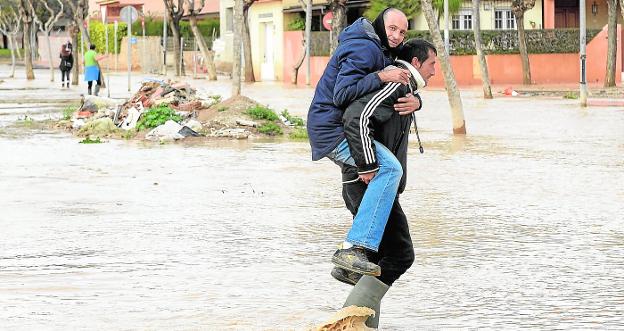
x=516, y=226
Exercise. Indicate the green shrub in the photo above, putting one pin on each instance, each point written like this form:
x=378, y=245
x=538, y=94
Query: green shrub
x=156, y=116
x=294, y=120
x=5, y=52
x=297, y=24
x=68, y=111
x=299, y=133
x=97, y=33
x=262, y=113
x=271, y=129
x=88, y=140
x=571, y=95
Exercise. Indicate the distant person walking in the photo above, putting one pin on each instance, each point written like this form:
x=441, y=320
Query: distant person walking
x=92, y=70
x=67, y=62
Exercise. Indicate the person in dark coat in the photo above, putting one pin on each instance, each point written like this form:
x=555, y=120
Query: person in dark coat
x=67, y=63
x=354, y=70
x=373, y=117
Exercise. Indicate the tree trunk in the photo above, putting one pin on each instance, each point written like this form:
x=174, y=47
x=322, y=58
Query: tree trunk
x=24, y=11
x=457, y=113
x=203, y=47
x=49, y=56
x=295, y=72
x=175, y=32
x=339, y=10
x=308, y=39
x=249, y=73
x=612, y=43
x=76, y=69
x=524, y=54
x=236, y=47
x=13, y=44
x=485, y=77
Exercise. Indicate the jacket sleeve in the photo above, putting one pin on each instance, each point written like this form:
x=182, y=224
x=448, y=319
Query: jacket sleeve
x=360, y=119
x=357, y=74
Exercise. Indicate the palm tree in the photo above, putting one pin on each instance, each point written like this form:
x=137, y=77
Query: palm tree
x=457, y=113
x=612, y=40
x=203, y=47
x=485, y=77
x=519, y=7
x=236, y=46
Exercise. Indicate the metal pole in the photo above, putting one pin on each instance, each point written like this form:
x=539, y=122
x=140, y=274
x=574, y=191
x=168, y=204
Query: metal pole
x=583, y=55
x=107, y=62
x=165, y=45
x=195, y=59
x=143, y=55
x=181, y=53
x=308, y=36
x=129, y=50
x=446, y=26
x=115, y=40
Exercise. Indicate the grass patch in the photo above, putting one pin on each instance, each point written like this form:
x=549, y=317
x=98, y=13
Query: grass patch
x=222, y=109
x=5, y=52
x=262, y=113
x=294, y=120
x=129, y=134
x=570, y=95
x=88, y=140
x=299, y=133
x=156, y=116
x=68, y=111
x=271, y=129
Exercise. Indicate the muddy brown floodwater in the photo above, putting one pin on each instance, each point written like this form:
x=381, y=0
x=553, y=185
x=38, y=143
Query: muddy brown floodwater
x=516, y=226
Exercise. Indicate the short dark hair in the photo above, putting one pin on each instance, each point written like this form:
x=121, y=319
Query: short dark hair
x=416, y=48
x=92, y=46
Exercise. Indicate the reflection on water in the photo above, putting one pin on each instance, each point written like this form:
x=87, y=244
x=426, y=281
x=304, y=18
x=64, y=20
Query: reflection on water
x=517, y=225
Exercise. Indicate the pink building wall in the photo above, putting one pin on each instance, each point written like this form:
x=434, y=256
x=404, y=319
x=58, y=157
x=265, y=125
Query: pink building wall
x=503, y=69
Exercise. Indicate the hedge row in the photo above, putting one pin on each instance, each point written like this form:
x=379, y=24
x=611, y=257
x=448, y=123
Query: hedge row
x=152, y=28
x=494, y=41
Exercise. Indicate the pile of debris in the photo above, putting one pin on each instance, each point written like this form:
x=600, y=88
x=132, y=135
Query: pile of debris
x=103, y=117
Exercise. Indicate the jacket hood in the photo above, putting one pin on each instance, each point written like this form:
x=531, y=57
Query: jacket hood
x=360, y=29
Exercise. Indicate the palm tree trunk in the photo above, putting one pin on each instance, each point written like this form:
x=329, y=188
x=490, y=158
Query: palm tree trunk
x=524, y=54
x=203, y=47
x=236, y=47
x=611, y=40
x=485, y=77
x=49, y=56
x=13, y=44
x=175, y=32
x=28, y=52
x=76, y=68
x=339, y=10
x=457, y=113
x=249, y=73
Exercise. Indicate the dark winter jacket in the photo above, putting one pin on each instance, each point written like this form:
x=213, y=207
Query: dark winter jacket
x=350, y=74
x=67, y=62
x=372, y=117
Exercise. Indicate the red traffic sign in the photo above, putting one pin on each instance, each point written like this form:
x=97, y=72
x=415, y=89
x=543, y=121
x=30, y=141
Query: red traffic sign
x=327, y=20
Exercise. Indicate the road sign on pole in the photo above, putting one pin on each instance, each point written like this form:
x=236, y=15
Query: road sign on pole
x=129, y=14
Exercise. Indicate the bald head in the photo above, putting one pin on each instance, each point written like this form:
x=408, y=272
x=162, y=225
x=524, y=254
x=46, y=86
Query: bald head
x=395, y=23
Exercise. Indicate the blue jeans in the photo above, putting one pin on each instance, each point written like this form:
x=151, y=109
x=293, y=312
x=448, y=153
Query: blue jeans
x=372, y=215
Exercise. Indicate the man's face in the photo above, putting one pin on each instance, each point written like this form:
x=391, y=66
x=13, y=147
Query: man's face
x=426, y=68
x=396, y=27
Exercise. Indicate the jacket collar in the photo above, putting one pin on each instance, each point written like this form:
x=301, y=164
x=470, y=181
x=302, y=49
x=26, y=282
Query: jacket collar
x=416, y=80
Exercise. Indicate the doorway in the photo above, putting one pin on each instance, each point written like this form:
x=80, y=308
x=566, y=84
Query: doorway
x=267, y=68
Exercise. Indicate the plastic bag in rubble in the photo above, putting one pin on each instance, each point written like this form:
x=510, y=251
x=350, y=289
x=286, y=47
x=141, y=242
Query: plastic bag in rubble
x=93, y=103
x=168, y=131
x=133, y=117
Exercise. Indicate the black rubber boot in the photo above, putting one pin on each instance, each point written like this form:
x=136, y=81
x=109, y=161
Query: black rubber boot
x=89, y=90
x=368, y=292
x=355, y=259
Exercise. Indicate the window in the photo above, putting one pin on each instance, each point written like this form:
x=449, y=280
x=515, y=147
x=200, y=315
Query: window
x=463, y=21
x=229, y=19
x=504, y=19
